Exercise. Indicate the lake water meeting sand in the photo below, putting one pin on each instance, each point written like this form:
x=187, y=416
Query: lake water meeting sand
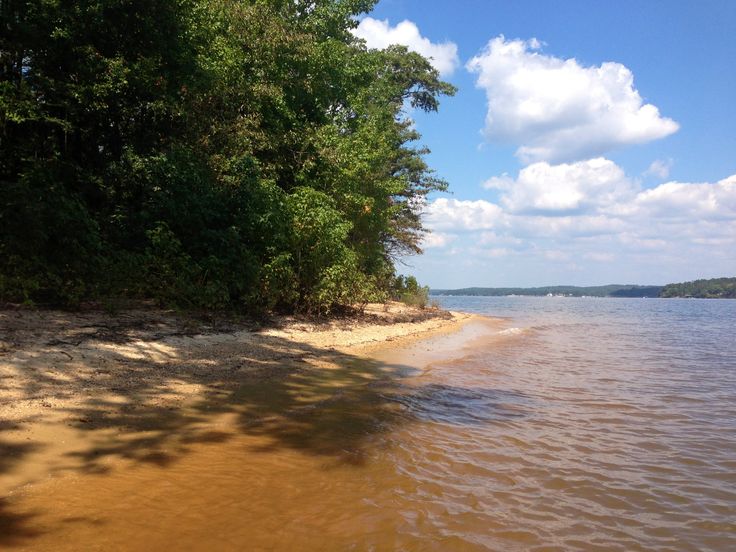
x=535, y=424
x=88, y=395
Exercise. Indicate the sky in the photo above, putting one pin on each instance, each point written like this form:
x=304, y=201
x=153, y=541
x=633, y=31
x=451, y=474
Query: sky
x=590, y=142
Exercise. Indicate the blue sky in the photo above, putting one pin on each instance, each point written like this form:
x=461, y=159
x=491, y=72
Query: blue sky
x=590, y=142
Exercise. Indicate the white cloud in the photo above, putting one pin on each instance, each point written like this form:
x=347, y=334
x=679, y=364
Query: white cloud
x=682, y=200
x=591, y=211
x=635, y=242
x=563, y=189
x=558, y=110
x=659, y=168
x=493, y=238
x=600, y=257
x=437, y=240
x=566, y=228
x=455, y=214
x=495, y=252
x=379, y=34
x=556, y=255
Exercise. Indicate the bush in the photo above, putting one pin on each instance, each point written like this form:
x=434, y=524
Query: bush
x=407, y=290
x=326, y=269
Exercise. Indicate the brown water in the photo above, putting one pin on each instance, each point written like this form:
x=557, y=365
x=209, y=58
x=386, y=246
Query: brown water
x=572, y=426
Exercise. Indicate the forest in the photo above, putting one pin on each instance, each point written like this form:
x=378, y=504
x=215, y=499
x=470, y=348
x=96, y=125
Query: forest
x=611, y=290
x=221, y=154
x=714, y=288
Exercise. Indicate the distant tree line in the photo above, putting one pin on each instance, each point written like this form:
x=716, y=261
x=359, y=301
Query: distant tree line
x=715, y=288
x=612, y=290
x=247, y=154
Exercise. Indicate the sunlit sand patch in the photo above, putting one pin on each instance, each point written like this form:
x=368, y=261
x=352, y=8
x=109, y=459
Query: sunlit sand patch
x=142, y=350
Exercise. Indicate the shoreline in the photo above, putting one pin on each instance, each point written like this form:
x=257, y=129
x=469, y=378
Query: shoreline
x=81, y=392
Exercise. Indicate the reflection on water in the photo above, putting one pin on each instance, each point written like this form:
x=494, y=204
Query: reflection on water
x=593, y=425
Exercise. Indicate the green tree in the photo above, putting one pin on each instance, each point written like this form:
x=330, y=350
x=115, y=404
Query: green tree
x=207, y=153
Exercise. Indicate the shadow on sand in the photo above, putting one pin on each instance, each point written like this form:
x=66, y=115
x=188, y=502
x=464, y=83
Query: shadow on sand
x=296, y=396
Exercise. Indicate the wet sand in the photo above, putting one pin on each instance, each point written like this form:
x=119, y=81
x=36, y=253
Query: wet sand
x=88, y=392
x=256, y=441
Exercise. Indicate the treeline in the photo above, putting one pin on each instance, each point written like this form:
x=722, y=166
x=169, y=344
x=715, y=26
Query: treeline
x=611, y=290
x=715, y=288
x=247, y=154
x=706, y=289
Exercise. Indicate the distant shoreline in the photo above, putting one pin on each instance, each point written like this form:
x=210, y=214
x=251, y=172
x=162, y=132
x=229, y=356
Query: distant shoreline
x=611, y=290
x=714, y=288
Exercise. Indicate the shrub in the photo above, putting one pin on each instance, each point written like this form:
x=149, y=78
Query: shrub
x=407, y=290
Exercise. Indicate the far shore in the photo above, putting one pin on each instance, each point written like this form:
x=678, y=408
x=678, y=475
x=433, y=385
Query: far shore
x=81, y=391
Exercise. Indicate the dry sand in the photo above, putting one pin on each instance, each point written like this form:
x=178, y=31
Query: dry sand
x=81, y=391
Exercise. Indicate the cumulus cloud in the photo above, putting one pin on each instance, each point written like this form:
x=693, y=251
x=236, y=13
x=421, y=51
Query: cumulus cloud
x=494, y=238
x=701, y=201
x=556, y=255
x=437, y=240
x=455, y=214
x=592, y=211
x=600, y=257
x=565, y=228
x=379, y=34
x=559, y=110
x=567, y=188
x=659, y=168
x=495, y=252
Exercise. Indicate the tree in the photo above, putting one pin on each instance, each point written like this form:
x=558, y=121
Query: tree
x=208, y=153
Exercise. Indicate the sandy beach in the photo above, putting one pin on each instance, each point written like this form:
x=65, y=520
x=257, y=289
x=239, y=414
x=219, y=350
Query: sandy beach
x=82, y=391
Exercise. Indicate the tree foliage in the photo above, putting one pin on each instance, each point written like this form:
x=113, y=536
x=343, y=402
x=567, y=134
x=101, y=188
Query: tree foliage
x=714, y=288
x=407, y=290
x=206, y=153
x=610, y=290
